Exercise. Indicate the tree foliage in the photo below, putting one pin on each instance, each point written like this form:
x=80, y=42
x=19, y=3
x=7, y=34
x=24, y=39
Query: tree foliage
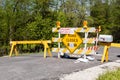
x=107, y=14
x=34, y=19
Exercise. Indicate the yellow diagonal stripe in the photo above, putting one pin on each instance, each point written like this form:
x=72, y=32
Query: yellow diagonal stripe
x=78, y=29
x=80, y=51
x=88, y=52
x=64, y=50
x=87, y=30
x=54, y=30
x=90, y=40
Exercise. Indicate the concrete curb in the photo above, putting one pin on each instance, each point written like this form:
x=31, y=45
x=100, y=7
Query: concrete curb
x=92, y=73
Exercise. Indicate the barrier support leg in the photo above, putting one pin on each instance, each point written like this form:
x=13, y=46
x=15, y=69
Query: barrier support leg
x=105, y=54
x=44, y=51
x=11, y=51
x=49, y=53
x=16, y=52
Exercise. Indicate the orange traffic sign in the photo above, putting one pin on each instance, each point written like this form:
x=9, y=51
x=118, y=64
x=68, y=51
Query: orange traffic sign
x=72, y=41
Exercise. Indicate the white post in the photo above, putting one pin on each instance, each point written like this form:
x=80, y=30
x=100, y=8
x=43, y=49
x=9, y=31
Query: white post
x=59, y=45
x=96, y=44
x=85, y=46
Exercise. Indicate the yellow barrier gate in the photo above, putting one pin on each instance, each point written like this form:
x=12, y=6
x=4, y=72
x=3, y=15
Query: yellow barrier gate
x=45, y=43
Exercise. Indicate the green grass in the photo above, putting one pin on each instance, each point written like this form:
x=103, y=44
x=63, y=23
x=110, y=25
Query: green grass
x=110, y=75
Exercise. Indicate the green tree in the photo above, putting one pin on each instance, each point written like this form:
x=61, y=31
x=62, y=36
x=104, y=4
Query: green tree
x=115, y=20
x=107, y=15
x=75, y=13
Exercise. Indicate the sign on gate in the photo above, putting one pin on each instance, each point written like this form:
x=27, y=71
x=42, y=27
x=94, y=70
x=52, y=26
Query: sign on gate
x=66, y=30
x=72, y=41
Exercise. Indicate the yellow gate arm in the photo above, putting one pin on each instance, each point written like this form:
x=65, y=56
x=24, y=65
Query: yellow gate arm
x=115, y=44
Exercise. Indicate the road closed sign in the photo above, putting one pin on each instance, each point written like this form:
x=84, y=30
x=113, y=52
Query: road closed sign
x=72, y=41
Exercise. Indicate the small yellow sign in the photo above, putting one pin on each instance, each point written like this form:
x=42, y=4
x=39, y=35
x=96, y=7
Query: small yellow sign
x=72, y=41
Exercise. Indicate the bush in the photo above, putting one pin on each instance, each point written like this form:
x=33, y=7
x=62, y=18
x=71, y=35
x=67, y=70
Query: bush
x=4, y=50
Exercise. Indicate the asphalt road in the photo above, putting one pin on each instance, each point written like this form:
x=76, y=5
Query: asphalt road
x=35, y=67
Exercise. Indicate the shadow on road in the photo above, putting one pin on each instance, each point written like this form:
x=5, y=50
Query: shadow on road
x=66, y=57
x=104, y=60
x=118, y=56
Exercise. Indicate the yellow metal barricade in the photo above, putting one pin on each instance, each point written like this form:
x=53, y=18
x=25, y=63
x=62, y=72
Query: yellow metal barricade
x=44, y=42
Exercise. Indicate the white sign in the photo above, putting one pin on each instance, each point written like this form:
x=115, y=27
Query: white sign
x=66, y=30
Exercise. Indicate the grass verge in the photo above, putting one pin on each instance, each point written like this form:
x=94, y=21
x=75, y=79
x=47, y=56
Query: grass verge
x=110, y=75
